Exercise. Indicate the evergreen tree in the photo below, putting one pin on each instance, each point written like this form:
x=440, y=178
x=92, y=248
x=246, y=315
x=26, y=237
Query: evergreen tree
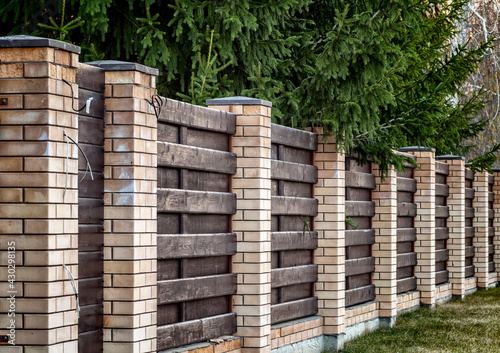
x=379, y=75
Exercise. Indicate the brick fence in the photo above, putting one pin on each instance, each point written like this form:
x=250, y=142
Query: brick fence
x=195, y=229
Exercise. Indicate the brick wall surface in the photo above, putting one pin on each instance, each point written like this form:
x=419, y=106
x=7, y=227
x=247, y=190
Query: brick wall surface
x=496, y=221
x=425, y=224
x=408, y=301
x=38, y=195
x=456, y=225
x=39, y=215
x=330, y=225
x=384, y=250
x=252, y=185
x=480, y=204
x=295, y=332
x=129, y=209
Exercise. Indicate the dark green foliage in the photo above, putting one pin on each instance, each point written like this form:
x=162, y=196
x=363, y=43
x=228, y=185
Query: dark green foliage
x=379, y=75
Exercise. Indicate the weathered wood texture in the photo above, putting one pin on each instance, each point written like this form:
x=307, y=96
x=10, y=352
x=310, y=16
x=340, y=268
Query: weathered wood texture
x=293, y=239
x=407, y=233
x=359, y=208
x=469, y=225
x=442, y=215
x=90, y=82
x=183, y=333
x=491, y=228
x=195, y=243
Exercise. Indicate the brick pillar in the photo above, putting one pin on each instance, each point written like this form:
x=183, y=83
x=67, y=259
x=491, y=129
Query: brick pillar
x=425, y=245
x=481, y=226
x=330, y=225
x=38, y=211
x=385, y=225
x=496, y=221
x=456, y=222
x=252, y=222
x=129, y=208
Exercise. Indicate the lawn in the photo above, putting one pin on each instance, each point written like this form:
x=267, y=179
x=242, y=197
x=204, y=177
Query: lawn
x=471, y=325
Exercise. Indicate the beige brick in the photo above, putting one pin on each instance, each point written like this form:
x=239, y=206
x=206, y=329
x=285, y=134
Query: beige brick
x=26, y=54
x=9, y=133
x=14, y=101
x=11, y=70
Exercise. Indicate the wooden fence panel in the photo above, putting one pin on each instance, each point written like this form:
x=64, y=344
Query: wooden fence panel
x=90, y=82
x=195, y=239
x=359, y=208
x=442, y=231
x=406, y=233
x=469, y=224
x=491, y=228
x=293, y=238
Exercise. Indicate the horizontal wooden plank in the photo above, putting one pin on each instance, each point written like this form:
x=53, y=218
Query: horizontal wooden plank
x=469, y=271
x=407, y=173
x=470, y=251
x=359, y=208
x=442, y=168
x=302, y=173
x=442, y=212
x=442, y=233
x=442, y=255
x=93, y=103
x=469, y=193
x=176, y=246
x=198, y=202
x=359, y=295
x=407, y=209
x=359, y=237
x=442, y=277
x=281, y=241
x=90, y=77
x=183, y=333
x=406, y=184
x=294, y=206
x=88, y=188
x=408, y=259
x=90, y=290
x=442, y=190
x=90, y=237
x=283, y=135
x=469, y=212
x=353, y=164
x=95, y=155
x=185, y=114
x=407, y=234
x=406, y=284
x=186, y=289
x=90, y=317
x=359, y=266
x=469, y=232
x=281, y=277
x=195, y=158
x=359, y=180
x=294, y=310
x=91, y=130
x=90, y=341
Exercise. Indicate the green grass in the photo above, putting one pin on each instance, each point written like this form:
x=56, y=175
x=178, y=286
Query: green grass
x=472, y=325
